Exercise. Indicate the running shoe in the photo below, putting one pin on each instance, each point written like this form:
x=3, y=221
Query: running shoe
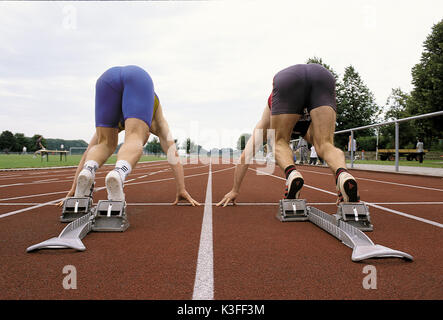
x=294, y=183
x=347, y=189
x=114, y=186
x=85, y=181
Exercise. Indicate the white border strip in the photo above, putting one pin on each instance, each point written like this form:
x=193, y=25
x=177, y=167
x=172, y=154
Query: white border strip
x=204, y=277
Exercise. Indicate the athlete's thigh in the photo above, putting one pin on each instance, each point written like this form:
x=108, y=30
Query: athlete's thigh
x=138, y=94
x=107, y=102
x=322, y=127
x=283, y=125
x=136, y=129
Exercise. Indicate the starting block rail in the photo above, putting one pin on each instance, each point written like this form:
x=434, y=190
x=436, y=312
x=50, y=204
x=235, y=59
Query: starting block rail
x=350, y=235
x=71, y=236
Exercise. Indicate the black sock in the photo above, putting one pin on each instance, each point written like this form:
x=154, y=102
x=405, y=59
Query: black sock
x=288, y=170
x=337, y=173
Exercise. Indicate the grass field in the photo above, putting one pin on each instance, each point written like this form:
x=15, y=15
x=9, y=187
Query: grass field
x=14, y=161
x=426, y=163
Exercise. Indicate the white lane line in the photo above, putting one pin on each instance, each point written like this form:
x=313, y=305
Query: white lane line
x=369, y=204
x=34, y=195
x=231, y=204
x=379, y=181
x=406, y=215
x=204, y=277
x=30, y=208
x=41, y=205
x=96, y=189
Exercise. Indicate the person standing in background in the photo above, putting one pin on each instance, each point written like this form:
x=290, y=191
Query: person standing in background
x=420, y=150
x=313, y=158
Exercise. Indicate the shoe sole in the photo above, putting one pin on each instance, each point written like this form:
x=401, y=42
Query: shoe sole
x=84, y=184
x=351, y=190
x=295, y=188
x=114, y=188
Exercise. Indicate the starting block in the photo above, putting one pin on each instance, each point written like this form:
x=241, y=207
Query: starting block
x=110, y=216
x=74, y=208
x=356, y=214
x=292, y=210
x=107, y=216
x=347, y=225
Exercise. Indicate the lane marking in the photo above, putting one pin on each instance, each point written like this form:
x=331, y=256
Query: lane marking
x=30, y=208
x=204, y=276
x=96, y=189
x=379, y=181
x=369, y=204
x=237, y=204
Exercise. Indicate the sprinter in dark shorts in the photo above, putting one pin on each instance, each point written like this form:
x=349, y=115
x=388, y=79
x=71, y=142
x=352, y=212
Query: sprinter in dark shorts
x=302, y=103
x=125, y=100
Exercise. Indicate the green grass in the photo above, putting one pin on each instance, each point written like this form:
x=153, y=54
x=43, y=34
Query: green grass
x=14, y=161
x=426, y=163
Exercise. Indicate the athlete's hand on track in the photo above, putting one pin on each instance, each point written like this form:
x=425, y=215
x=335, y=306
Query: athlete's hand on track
x=70, y=194
x=230, y=196
x=184, y=195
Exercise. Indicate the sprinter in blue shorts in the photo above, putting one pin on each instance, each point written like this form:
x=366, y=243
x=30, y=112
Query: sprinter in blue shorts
x=125, y=100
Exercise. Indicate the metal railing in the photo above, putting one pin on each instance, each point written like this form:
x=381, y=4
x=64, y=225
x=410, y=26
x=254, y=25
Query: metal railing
x=397, y=130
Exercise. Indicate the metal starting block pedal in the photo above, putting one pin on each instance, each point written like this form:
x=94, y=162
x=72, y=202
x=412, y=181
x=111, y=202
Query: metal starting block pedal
x=74, y=208
x=110, y=216
x=77, y=207
x=292, y=210
x=356, y=214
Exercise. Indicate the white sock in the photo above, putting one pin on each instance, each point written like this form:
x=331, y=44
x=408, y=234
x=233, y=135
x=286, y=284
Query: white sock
x=123, y=168
x=92, y=166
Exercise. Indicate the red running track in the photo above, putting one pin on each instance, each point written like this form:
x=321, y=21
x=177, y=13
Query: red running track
x=244, y=252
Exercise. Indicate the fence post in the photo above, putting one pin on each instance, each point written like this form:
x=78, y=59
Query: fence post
x=376, y=147
x=396, y=145
x=351, y=145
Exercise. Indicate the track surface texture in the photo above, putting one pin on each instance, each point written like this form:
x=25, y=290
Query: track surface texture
x=239, y=252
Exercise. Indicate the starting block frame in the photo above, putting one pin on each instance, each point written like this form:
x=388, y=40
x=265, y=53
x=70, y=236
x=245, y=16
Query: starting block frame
x=356, y=214
x=106, y=216
x=347, y=225
x=292, y=210
x=110, y=216
x=74, y=208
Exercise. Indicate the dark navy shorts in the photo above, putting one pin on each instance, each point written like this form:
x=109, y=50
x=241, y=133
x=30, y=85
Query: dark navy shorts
x=122, y=93
x=300, y=87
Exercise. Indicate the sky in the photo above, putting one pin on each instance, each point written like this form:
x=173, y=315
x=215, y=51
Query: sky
x=212, y=62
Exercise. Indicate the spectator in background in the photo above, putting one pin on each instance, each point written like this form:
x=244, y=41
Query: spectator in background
x=39, y=145
x=313, y=158
x=420, y=150
x=352, y=147
x=303, y=146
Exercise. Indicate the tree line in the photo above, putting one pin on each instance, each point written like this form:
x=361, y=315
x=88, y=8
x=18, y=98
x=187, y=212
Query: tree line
x=10, y=142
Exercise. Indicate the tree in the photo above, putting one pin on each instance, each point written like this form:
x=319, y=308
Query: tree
x=21, y=141
x=7, y=141
x=154, y=146
x=356, y=105
x=427, y=78
x=242, y=140
x=396, y=107
x=189, y=146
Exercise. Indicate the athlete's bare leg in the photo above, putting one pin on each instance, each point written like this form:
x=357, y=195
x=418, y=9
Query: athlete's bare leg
x=136, y=135
x=283, y=125
x=107, y=142
x=321, y=135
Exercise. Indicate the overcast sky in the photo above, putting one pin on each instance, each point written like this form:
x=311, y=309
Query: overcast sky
x=212, y=62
